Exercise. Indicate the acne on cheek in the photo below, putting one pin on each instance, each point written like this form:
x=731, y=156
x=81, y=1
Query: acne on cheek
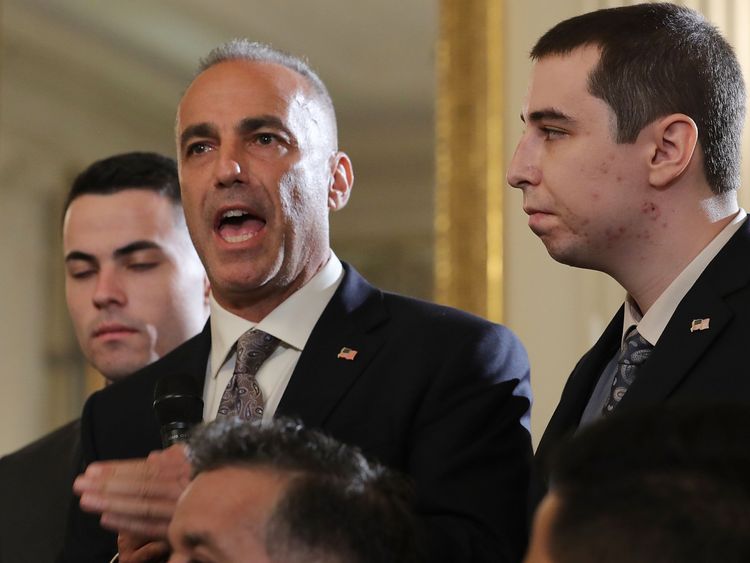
x=613, y=234
x=650, y=210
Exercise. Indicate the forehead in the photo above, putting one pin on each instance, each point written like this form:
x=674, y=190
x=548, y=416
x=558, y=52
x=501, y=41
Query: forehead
x=232, y=90
x=254, y=490
x=229, y=507
x=561, y=81
x=95, y=221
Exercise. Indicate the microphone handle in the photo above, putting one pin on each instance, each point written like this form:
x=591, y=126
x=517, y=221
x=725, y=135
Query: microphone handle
x=175, y=432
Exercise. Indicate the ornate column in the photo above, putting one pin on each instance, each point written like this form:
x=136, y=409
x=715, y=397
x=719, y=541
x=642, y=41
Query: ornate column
x=470, y=171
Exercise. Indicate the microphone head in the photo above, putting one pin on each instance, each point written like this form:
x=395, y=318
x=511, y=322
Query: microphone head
x=178, y=406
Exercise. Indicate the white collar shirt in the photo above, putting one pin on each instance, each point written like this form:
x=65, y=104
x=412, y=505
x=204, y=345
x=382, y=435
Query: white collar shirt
x=292, y=322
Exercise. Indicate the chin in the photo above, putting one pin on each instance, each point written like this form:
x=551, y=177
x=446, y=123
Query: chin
x=564, y=255
x=116, y=369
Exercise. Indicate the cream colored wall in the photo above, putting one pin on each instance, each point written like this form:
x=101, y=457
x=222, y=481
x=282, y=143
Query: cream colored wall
x=24, y=395
x=558, y=311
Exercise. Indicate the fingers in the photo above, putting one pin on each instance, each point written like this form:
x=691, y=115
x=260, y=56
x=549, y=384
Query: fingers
x=135, y=496
x=152, y=507
x=139, y=477
x=137, y=549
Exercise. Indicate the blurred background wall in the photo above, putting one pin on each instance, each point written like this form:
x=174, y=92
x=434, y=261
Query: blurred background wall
x=82, y=80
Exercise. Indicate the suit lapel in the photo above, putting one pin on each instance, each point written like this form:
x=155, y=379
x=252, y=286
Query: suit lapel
x=190, y=358
x=679, y=349
x=197, y=358
x=321, y=377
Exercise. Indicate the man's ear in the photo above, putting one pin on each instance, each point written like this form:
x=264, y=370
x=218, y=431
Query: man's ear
x=675, y=138
x=341, y=181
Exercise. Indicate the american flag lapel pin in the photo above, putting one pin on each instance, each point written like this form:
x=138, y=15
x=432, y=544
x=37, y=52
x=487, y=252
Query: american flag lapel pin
x=347, y=354
x=699, y=324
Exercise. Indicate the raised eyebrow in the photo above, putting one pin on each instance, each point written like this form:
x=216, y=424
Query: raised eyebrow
x=197, y=130
x=135, y=247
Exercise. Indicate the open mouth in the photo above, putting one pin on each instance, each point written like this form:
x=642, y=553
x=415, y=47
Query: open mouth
x=239, y=225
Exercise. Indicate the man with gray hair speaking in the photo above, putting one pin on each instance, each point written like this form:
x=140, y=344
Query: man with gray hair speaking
x=433, y=392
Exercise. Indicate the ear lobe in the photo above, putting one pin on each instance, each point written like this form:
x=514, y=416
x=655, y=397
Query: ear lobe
x=341, y=181
x=675, y=138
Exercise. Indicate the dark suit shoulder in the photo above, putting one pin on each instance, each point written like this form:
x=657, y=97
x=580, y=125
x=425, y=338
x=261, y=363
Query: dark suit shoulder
x=119, y=422
x=436, y=324
x=35, y=487
x=53, y=446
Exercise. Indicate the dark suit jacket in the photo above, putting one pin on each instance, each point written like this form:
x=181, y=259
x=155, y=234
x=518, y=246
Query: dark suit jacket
x=436, y=393
x=702, y=366
x=35, y=485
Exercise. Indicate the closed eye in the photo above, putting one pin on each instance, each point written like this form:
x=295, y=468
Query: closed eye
x=143, y=266
x=82, y=274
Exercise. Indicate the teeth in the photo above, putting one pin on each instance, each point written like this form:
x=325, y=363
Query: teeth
x=238, y=238
x=233, y=213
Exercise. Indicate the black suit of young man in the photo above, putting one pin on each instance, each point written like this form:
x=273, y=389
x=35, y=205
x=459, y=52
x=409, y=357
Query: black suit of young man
x=436, y=393
x=688, y=366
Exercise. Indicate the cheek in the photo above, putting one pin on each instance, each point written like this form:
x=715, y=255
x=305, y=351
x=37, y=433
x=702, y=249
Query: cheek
x=78, y=301
x=296, y=198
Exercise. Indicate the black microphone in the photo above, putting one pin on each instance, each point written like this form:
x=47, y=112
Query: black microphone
x=178, y=405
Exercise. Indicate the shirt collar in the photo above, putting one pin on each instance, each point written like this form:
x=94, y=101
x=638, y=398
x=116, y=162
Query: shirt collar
x=652, y=324
x=291, y=322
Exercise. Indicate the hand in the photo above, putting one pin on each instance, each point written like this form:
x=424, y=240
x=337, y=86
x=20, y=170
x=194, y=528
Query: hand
x=136, y=496
x=135, y=549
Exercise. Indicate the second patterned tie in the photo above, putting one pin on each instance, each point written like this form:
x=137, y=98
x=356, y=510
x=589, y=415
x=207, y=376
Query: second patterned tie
x=634, y=351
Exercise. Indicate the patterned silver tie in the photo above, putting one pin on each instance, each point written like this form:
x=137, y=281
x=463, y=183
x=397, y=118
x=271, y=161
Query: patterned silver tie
x=634, y=351
x=243, y=397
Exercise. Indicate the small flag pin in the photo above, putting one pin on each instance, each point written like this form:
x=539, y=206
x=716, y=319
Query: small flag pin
x=699, y=324
x=347, y=354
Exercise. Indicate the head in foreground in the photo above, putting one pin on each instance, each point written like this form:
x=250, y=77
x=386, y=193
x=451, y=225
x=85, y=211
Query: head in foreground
x=284, y=494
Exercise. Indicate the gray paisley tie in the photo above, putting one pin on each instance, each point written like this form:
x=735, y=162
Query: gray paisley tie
x=634, y=351
x=243, y=397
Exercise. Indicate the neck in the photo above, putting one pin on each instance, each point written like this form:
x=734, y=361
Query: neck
x=671, y=243
x=254, y=305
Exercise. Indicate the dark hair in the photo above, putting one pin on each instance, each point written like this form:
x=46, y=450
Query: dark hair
x=670, y=483
x=244, y=49
x=339, y=506
x=659, y=59
x=133, y=170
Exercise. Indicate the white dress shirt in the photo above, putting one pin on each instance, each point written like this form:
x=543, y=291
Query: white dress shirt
x=291, y=322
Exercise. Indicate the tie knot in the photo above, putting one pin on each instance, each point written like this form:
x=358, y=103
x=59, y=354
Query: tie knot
x=635, y=349
x=253, y=348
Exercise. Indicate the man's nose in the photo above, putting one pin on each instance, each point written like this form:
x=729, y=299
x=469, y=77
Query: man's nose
x=230, y=166
x=524, y=168
x=108, y=290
